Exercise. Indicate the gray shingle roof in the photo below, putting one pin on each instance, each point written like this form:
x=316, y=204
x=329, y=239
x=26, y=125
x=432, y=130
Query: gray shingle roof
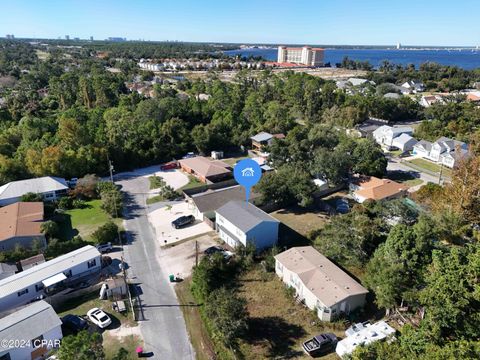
x=263, y=136
x=244, y=215
x=427, y=145
x=212, y=200
x=29, y=322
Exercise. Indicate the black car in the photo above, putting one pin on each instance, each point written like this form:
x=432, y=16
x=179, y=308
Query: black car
x=183, y=221
x=74, y=323
x=320, y=345
x=213, y=250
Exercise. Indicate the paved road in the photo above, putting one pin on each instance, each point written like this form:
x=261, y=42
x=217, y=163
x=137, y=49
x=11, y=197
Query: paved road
x=163, y=327
x=395, y=165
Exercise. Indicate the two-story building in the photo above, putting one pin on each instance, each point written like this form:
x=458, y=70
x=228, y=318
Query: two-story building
x=385, y=135
x=263, y=139
x=319, y=283
x=240, y=222
x=30, y=333
x=42, y=279
x=443, y=151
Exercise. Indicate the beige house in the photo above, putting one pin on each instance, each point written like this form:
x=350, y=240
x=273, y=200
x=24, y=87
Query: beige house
x=319, y=283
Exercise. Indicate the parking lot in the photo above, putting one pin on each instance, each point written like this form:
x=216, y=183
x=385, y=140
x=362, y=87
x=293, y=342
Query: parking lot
x=175, y=178
x=180, y=259
x=161, y=220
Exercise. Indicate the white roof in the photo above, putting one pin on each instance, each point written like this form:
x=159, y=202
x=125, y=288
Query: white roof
x=403, y=139
x=40, y=185
x=55, y=279
x=29, y=322
x=46, y=270
x=369, y=334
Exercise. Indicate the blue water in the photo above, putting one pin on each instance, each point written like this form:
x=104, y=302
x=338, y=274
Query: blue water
x=466, y=59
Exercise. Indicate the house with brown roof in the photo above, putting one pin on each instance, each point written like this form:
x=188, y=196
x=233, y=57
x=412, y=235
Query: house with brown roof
x=373, y=188
x=206, y=170
x=319, y=283
x=20, y=225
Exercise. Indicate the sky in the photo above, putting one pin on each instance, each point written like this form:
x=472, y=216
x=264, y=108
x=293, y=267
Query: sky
x=314, y=22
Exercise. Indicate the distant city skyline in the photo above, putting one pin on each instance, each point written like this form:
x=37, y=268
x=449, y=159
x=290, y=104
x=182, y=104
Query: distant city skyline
x=340, y=22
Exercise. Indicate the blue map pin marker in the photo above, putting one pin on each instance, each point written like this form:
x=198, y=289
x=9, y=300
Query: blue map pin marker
x=247, y=172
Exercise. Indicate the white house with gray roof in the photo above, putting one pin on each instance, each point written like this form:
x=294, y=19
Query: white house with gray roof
x=34, y=329
x=21, y=288
x=49, y=187
x=443, y=151
x=240, y=222
x=385, y=134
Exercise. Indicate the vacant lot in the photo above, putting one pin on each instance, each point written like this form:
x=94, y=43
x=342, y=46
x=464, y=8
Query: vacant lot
x=300, y=220
x=277, y=325
x=85, y=221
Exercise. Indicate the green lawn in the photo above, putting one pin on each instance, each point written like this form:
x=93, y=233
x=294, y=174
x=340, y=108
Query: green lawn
x=85, y=221
x=430, y=166
x=155, y=199
x=234, y=160
x=156, y=182
x=193, y=182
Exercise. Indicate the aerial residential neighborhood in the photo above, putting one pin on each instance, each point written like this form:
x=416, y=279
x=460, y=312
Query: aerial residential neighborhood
x=247, y=181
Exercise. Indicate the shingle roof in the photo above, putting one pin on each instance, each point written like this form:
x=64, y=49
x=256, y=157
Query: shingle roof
x=43, y=271
x=32, y=261
x=21, y=219
x=244, y=215
x=403, y=139
x=262, y=136
x=40, y=185
x=213, y=199
x=206, y=167
x=323, y=278
x=7, y=270
x=29, y=322
x=377, y=189
x=427, y=145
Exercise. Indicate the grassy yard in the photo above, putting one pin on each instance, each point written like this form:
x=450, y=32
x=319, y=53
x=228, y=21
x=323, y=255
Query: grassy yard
x=404, y=177
x=232, y=161
x=156, y=182
x=300, y=220
x=198, y=333
x=430, y=166
x=111, y=344
x=277, y=325
x=85, y=221
x=193, y=182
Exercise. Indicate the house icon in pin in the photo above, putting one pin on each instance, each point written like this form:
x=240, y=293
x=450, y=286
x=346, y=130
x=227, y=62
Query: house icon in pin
x=248, y=172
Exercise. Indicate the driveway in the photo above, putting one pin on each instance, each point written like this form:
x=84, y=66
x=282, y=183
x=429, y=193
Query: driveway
x=161, y=220
x=175, y=178
x=396, y=165
x=161, y=321
x=180, y=259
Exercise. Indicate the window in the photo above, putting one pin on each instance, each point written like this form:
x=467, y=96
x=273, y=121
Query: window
x=68, y=273
x=37, y=342
x=5, y=357
x=39, y=287
x=23, y=292
x=92, y=263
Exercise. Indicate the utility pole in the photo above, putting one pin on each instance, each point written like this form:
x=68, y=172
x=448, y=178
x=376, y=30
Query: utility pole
x=440, y=174
x=196, y=253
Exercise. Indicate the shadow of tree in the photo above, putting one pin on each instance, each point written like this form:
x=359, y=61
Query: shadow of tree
x=66, y=231
x=280, y=335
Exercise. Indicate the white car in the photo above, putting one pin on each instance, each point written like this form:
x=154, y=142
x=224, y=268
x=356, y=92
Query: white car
x=99, y=318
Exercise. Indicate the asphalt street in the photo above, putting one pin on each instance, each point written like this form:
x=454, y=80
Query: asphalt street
x=162, y=326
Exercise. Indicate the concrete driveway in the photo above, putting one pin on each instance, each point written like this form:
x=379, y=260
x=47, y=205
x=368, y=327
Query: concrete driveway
x=175, y=178
x=161, y=220
x=180, y=259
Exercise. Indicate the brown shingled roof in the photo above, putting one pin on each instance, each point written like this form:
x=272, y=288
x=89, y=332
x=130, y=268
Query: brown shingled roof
x=206, y=167
x=377, y=189
x=21, y=219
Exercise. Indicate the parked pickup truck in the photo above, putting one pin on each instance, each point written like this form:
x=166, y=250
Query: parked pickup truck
x=320, y=345
x=183, y=221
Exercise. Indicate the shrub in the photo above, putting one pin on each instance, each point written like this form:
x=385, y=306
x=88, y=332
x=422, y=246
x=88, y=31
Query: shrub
x=49, y=228
x=112, y=202
x=79, y=204
x=87, y=187
x=57, y=247
x=31, y=197
x=65, y=203
x=156, y=182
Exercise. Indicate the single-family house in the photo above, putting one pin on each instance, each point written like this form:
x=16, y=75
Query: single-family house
x=240, y=222
x=392, y=95
x=443, y=151
x=319, y=283
x=414, y=86
x=206, y=203
x=429, y=100
x=20, y=225
x=262, y=162
x=206, y=170
x=51, y=188
x=264, y=139
x=30, y=332
x=384, y=135
x=370, y=333
x=359, y=81
x=404, y=142
x=32, y=261
x=42, y=279
x=372, y=188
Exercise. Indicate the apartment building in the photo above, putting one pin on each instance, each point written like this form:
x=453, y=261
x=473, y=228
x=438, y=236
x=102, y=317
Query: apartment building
x=301, y=55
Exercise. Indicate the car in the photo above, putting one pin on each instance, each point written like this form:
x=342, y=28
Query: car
x=189, y=155
x=99, y=318
x=105, y=248
x=320, y=345
x=74, y=322
x=356, y=328
x=213, y=250
x=169, y=166
x=183, y=221
x=341, y=206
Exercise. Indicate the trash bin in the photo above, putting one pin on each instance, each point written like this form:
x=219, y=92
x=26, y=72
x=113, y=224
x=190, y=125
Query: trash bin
x=172, y=278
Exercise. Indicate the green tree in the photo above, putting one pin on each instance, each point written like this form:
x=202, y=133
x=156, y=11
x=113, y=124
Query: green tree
x=83, y=346
x=31, y=197
x=112, y=202
x=50, y=228
x=368, y=159
x=107, y=233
